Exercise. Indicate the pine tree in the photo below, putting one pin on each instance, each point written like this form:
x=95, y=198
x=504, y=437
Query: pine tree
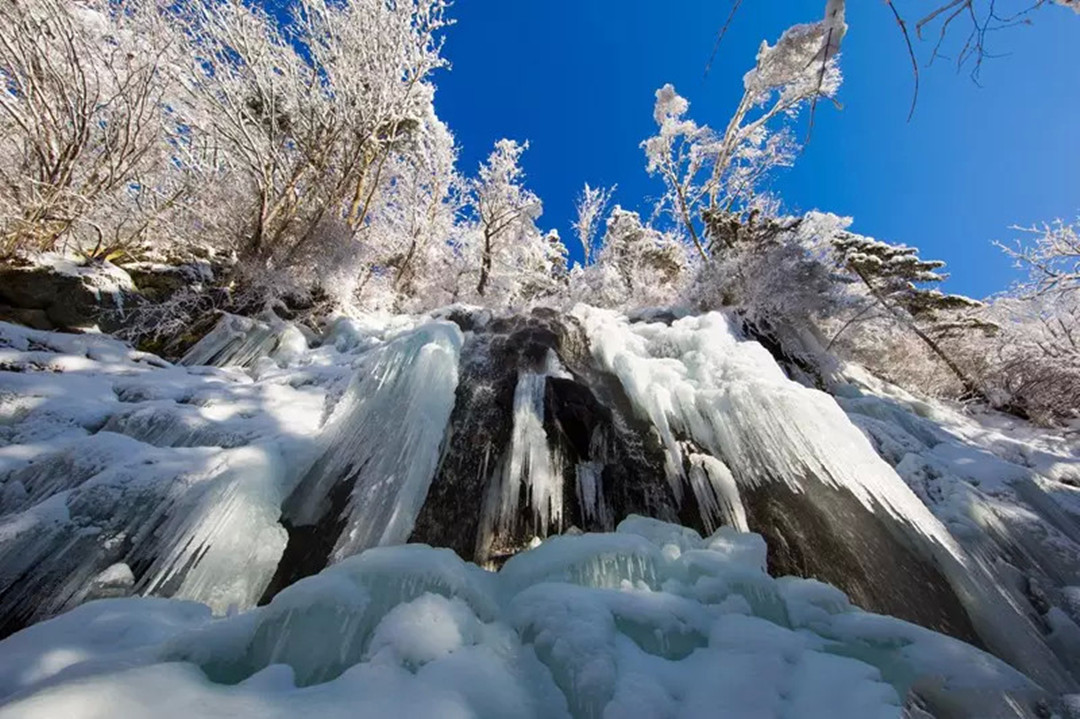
x=897, y=278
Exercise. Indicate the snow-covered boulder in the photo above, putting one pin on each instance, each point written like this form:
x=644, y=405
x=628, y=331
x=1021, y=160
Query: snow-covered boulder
x=66, y=293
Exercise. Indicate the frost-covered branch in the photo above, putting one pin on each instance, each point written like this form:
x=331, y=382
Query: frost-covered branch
x=1051, y=260
x=590, y=206
x=709, y=174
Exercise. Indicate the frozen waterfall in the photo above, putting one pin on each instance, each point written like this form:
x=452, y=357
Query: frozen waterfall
x=274, y=453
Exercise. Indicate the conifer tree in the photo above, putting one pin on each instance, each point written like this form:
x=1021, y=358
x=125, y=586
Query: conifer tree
x=897, y=278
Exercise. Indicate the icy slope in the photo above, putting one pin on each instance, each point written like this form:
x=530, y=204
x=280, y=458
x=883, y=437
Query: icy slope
x=1006, y=491
x=651, y=621
x=121, y=474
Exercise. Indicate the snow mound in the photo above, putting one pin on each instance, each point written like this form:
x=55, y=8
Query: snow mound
x=651, y=621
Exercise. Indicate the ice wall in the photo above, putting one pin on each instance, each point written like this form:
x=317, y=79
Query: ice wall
x=121, y=474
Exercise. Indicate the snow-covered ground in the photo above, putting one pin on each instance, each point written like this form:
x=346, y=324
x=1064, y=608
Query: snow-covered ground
x=651, y=621
x=124, y=477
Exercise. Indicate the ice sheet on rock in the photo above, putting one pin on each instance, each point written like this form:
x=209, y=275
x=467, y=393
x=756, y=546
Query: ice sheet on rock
x=696, y=379
x=414, y=631
x=716, y=492
x=242, y=341
x=93, y=470
x=1001, y=496
x=200, y=524
x=384, y=439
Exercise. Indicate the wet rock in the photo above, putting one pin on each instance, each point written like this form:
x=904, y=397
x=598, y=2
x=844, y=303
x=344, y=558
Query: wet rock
x=827, y=534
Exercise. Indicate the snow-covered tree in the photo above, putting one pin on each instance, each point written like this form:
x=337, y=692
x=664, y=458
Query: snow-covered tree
x=636, y=266
x=505, y=213
x=81, y=131
x=306, y=122
x=897, y=279
x=590, y=206
x=708, y=175
x=1051, y=260
x=1030, y=365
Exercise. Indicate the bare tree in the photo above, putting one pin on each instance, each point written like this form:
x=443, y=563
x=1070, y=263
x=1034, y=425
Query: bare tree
x=81, y=86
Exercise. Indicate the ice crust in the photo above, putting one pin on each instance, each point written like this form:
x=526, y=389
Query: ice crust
x=652, y=621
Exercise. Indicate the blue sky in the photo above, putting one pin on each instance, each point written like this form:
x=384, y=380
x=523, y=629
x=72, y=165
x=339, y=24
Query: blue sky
x=576, y=78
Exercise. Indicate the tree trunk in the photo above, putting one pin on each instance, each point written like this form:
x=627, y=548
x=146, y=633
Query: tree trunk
x=485, y=265
x=970, y=388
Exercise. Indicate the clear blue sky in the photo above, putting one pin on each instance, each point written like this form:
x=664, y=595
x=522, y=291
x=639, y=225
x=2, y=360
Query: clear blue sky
x=576, y=78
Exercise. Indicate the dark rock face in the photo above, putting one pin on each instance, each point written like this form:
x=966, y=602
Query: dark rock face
x=158, y=282
x=827, y=534
x=66, y=299
x=35, y=319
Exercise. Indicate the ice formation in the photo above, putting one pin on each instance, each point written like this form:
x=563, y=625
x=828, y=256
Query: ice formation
x=531, y=466
x=111, y=456
x=652, y=621
x=697, y=380
x=294, y=451
x=384, y=440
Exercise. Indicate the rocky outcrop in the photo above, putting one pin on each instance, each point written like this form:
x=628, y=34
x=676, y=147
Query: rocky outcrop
x=57, y=293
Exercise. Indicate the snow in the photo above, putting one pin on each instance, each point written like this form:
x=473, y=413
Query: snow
x=415, y=631
x=122, y=475
x=110, y=457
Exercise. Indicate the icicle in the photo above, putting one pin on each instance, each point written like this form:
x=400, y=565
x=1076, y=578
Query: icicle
x=717, y=493
x=590, y=493
x=696, y=378
x=531, y=464
x=385, y=437
x=224, y=546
